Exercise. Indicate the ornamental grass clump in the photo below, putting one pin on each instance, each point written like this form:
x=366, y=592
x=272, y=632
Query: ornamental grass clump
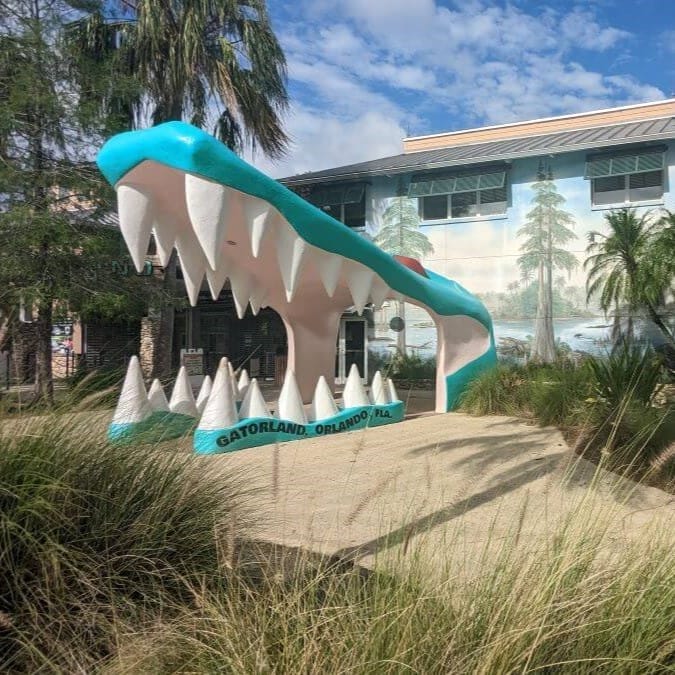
x=94, y=537
x=573, y=603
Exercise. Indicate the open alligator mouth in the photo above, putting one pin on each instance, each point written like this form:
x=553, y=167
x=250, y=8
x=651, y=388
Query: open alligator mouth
x=228, y=221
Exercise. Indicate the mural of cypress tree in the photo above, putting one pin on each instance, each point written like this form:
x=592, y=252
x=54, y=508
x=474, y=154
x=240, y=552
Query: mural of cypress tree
x=546, y=231
x=400, y=235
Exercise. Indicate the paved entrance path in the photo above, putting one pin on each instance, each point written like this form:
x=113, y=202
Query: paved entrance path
x=427, y=481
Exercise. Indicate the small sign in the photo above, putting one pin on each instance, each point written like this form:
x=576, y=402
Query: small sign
x=397, y=324
x=193, y=360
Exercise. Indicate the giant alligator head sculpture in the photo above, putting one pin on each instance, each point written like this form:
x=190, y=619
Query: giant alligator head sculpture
x=228, y=220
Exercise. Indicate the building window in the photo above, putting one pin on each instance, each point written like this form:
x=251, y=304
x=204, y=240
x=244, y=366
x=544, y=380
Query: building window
x=345, y=203
x=462, y=195
x=626, y=179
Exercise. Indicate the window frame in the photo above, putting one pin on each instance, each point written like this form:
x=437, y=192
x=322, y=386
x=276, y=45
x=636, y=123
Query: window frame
x=626, y=191
x=337, y=210
x=626, y=164
x=449, y=206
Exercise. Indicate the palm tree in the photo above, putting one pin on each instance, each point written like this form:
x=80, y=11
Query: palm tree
x=400, y=235
x=547, y=231
x=662, y=254
x=622, y=266
x=214, y=63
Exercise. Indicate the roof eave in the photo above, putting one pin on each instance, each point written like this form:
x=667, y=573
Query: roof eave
x=391, y=171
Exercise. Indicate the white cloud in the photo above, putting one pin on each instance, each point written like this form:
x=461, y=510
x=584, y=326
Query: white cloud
x=321, y=140
x=365, y=69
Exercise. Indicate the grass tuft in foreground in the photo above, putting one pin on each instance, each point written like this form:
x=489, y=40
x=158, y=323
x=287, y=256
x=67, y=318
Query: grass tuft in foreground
x=93, y=535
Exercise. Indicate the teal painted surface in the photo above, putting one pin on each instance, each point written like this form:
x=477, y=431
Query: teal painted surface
x=456, y=383
x=160, y=426
x=186, y=148
x=254, y=432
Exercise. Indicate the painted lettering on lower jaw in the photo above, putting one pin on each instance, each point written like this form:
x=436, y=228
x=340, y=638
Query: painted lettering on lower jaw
x=262, y=431
x=254, y=428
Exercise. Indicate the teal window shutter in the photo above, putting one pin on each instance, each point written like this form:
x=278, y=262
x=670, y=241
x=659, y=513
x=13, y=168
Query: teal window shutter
x=598, y=168
x=466, y=183
x=492, y=180
x=623, y=165
x=650, y=162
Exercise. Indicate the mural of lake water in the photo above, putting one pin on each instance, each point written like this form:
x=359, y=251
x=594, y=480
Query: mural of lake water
x=589, y=335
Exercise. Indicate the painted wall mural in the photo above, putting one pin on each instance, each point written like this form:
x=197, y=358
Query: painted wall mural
x=498, y=257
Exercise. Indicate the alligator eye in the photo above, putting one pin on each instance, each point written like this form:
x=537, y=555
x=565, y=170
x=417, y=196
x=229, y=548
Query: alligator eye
x=412, y=264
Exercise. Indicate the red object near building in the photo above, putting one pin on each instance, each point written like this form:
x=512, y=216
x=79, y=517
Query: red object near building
x=411, y=263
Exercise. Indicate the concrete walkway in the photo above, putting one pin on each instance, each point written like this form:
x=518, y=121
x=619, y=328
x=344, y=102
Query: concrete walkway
x=434, y=482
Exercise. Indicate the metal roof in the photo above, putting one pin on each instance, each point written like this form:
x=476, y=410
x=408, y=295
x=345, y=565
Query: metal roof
x=527, y=146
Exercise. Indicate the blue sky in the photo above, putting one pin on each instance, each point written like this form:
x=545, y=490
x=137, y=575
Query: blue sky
x=365, y=73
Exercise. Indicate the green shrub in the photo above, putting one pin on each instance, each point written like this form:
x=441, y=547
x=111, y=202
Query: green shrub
x=630, y=371
x=604, y=406
x=413, y=367
x=499, y=391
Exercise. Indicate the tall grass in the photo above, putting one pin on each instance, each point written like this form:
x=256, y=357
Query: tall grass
x=571, y=607
x=605, y=406
x=123, y=561
x=91, y=535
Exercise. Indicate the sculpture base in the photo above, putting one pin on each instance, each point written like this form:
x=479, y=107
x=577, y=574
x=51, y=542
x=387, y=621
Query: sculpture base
x=254, y=432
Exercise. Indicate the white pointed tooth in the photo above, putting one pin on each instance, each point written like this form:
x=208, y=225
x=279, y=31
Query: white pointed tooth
x=240, y=283
x=393, y=394
x=290, y=402
x=359, y=279
x=220, y=410
x=354, y=394
x=133, y=405
x=244, y=381
x=329, y=267
x=290, y=253
x=254, y=404
x=216, y=279
x=257, y=299
x=136, y=219
x=378, y=390
x=233, y=382
x=323, y=403
x=210, y=206
x=260, y=218
x=192, y=263
x=157, y=397
x=378, y=292
x=204, y=393
x=164, y=231
x=182, y=400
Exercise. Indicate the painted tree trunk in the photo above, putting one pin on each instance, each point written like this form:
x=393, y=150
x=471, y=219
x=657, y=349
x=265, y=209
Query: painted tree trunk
x=401, y=337
x=543, y=346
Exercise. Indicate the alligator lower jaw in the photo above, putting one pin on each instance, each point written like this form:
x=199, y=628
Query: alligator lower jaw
x=223, y=234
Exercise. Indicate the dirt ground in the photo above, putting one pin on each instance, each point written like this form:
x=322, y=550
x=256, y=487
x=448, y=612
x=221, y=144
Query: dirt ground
x=434, y=482
x=430, y=484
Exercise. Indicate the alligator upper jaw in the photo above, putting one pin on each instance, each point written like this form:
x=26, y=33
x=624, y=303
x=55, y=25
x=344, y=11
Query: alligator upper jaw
x=221, y=233
x=224, y=234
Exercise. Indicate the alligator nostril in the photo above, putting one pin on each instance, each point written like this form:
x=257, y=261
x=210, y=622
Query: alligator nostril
x=231, y=243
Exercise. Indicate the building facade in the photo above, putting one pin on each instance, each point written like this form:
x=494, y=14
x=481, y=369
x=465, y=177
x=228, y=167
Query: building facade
x=475, y=195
